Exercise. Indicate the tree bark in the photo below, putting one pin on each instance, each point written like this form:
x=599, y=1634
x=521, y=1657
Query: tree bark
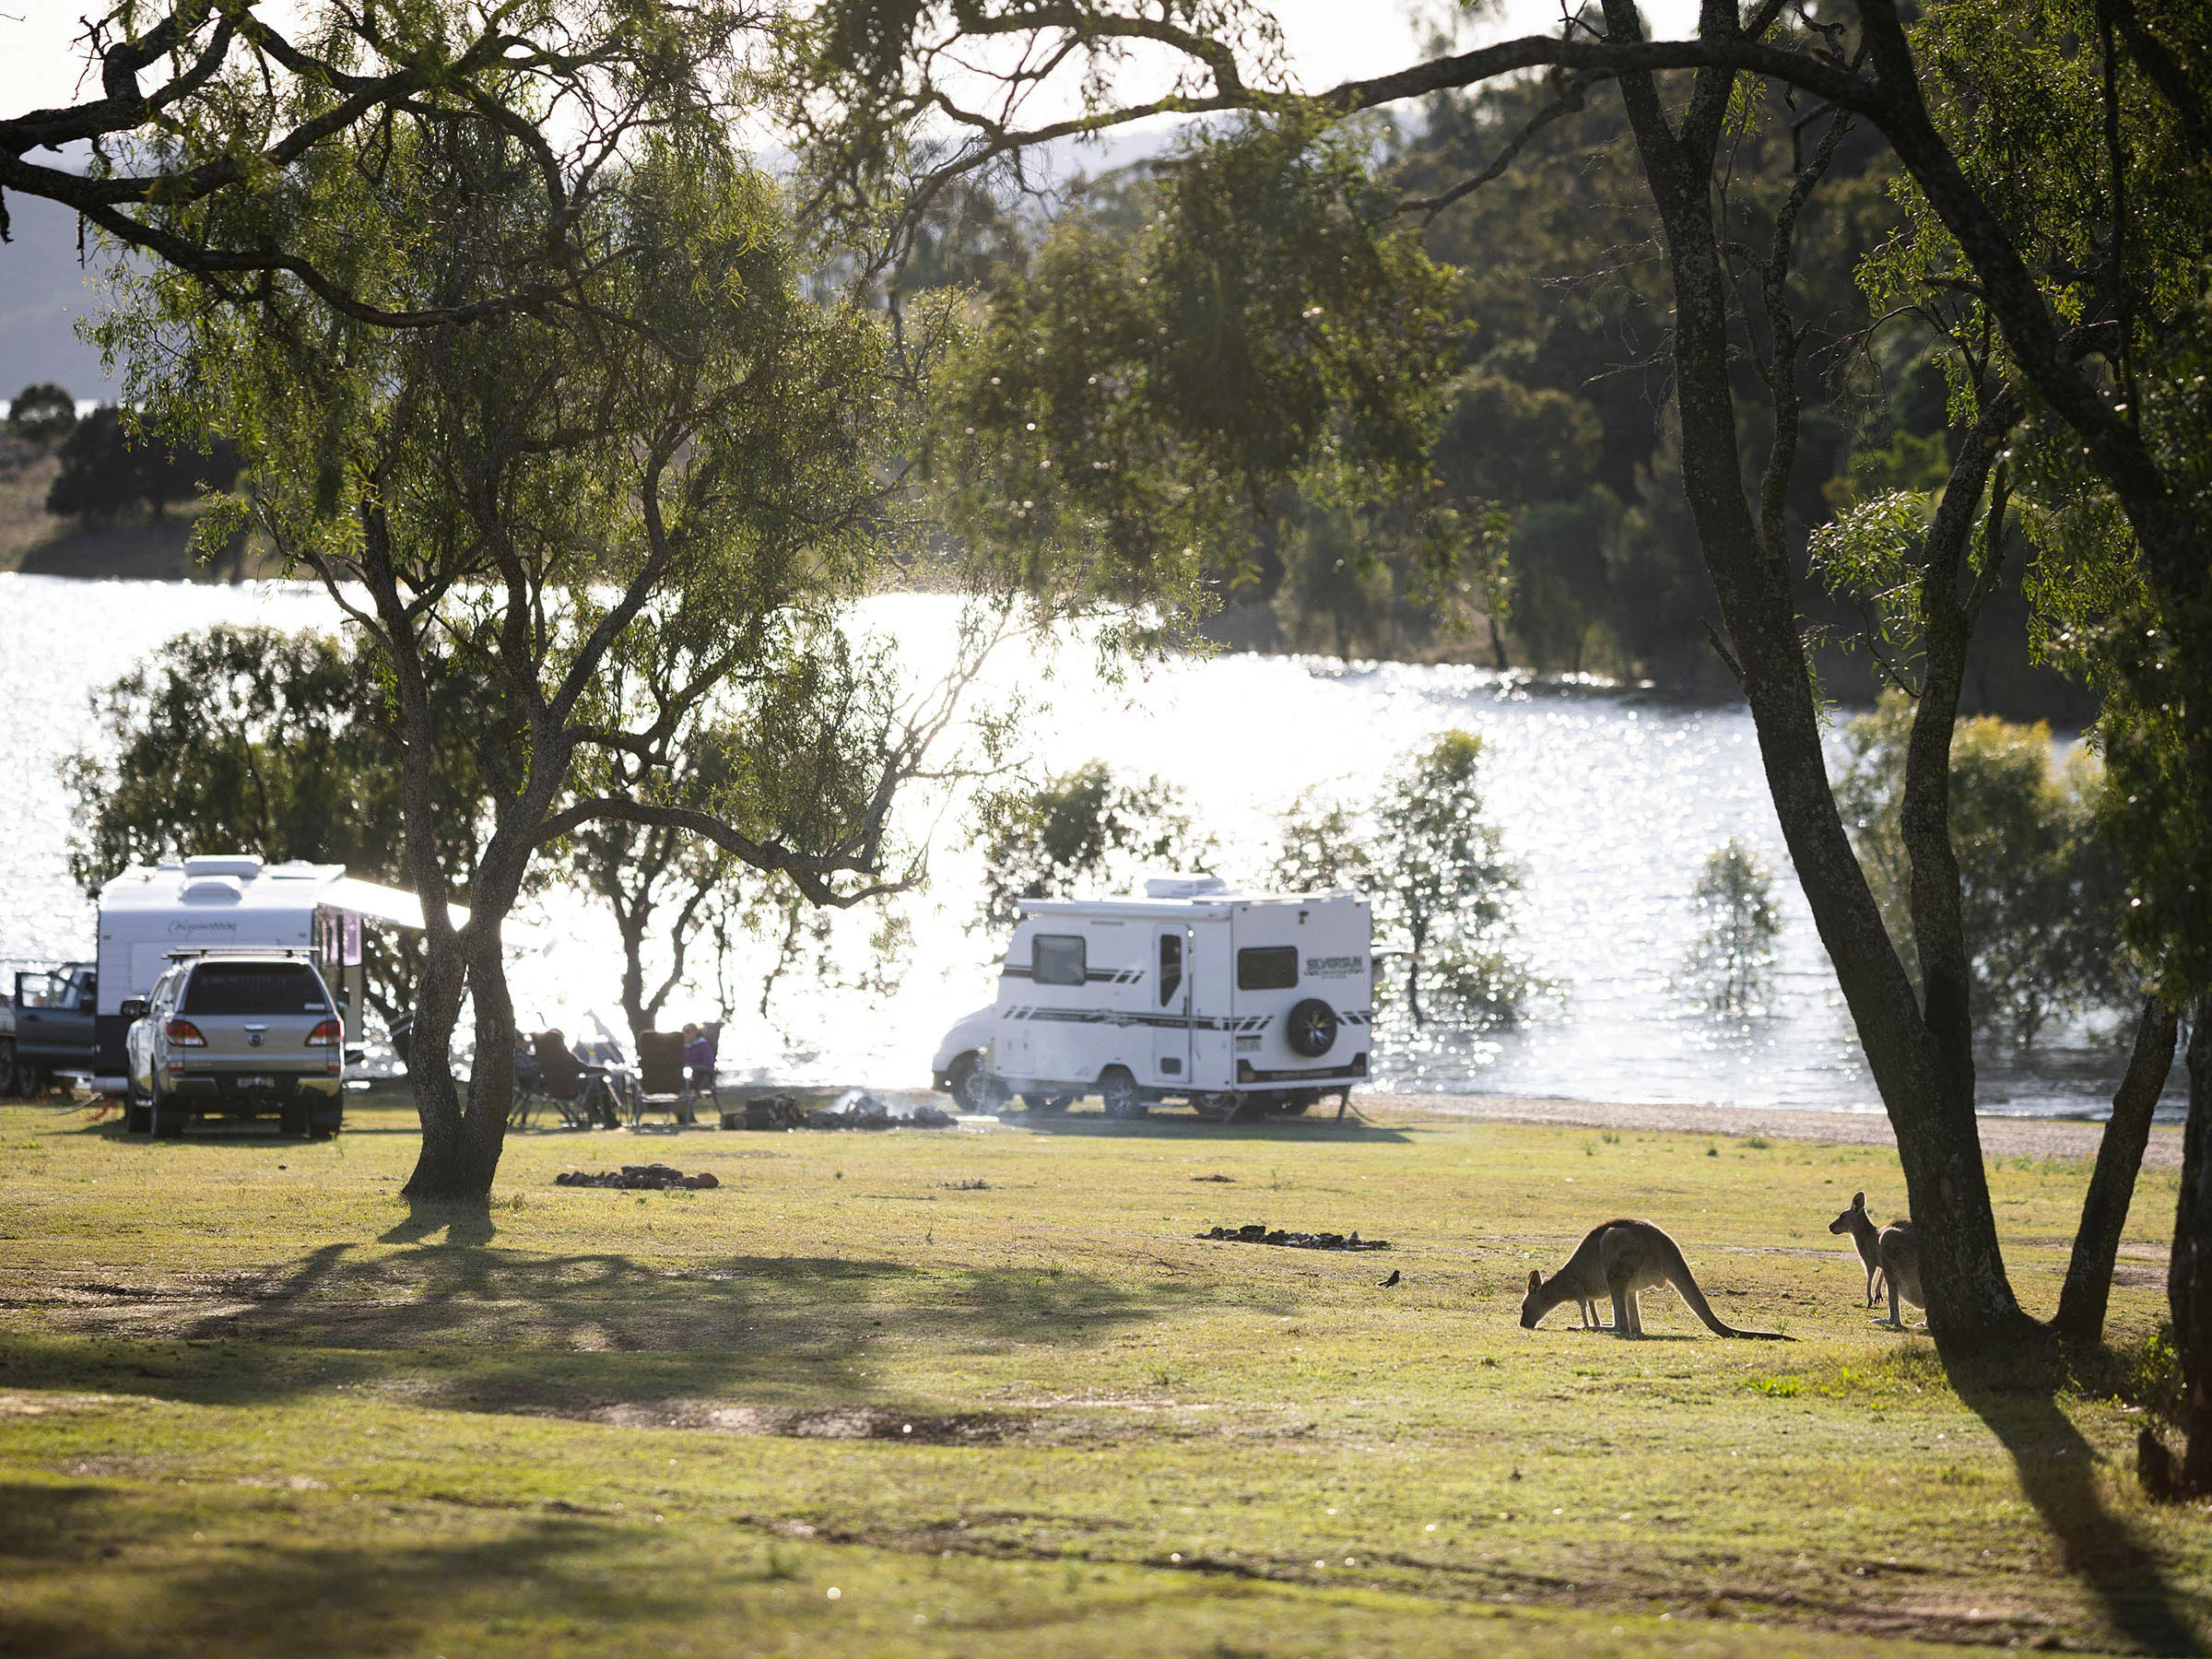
x=1971, y=1307
x=2088, y=1288
x=2189, y=1277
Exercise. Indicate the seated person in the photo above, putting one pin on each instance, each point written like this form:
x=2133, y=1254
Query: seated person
x=698, y=1058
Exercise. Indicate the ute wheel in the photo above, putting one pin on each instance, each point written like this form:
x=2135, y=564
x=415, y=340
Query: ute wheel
x=1118, y=1094
x=165, y=1119
x=7, y=1070
x=137, y=1117
x=1311, y=1030
x=292, y=1123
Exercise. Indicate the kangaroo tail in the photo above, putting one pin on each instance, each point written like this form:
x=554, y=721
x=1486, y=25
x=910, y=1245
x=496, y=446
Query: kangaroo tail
x=1678, y=1274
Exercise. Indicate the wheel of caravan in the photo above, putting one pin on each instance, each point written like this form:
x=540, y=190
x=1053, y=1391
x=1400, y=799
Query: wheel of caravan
x=1118, y=1094
x=1311, y=1028
x=1046, y=1105
x=1212, y=1108
x=1295, y=1104
x=970, y=1085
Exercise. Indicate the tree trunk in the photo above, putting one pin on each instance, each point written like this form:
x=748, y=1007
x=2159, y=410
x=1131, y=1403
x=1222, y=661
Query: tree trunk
x=2088, y=1287
x=2189, y=1278
x=1971, y=1307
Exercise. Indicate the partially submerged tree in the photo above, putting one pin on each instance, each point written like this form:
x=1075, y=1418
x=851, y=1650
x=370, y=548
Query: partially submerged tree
x=2040, y=893
x=1731, y=966
x=1077, y=835
x=1441, y=885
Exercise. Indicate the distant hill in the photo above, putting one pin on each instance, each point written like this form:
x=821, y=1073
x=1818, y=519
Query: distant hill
x=43, y=293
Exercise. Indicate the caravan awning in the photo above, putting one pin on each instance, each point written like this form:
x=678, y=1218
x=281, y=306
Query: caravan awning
x=374, y=902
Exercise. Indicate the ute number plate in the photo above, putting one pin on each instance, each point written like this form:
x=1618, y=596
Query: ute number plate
x=256, y=1082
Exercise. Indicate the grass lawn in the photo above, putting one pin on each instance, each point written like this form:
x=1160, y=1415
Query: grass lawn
x=983, y=1392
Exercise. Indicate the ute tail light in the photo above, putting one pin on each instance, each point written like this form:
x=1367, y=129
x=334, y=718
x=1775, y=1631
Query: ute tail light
x=326, y=1035
x=182, y=1033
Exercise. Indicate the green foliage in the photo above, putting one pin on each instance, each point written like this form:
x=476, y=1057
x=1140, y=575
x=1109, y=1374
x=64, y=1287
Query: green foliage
x=1441, y=883
x=252, y=740
x=41, y=413
x=1078, y=835
x=2111, y=227
x=108, y=465
x=1731, y=967
x=1147, y=403
x=2040, y=892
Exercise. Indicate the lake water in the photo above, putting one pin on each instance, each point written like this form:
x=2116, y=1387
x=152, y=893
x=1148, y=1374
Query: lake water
x=1609, y=801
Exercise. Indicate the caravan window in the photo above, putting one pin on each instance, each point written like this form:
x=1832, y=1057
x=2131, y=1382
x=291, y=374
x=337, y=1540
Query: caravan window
x=1267, y=968
x=1171, y=967
x=1056, y=958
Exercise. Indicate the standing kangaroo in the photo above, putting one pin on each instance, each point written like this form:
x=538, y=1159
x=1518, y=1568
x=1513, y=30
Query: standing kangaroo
x=1865, y=1235
x=1899, y=1250
x=1623, y=1259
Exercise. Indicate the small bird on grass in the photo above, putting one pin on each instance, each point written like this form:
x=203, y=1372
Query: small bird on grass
x=1391, y=1280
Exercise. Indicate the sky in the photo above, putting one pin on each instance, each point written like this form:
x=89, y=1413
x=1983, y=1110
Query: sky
x=43, y=292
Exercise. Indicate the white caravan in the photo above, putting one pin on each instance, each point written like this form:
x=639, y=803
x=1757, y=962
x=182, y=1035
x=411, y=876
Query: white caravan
x=1235, y=1003
x=232, y=903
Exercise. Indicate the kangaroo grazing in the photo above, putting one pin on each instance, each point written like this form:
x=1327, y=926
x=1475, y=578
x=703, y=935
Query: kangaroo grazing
x=1865, y=1235
x=1622, y=1259
x=1900, y=1249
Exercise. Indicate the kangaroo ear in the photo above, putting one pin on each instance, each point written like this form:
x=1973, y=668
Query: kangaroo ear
x=1535, y=1280
x=1858, y=1201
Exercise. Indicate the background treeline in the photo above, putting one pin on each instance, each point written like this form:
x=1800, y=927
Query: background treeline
x=1517, y=500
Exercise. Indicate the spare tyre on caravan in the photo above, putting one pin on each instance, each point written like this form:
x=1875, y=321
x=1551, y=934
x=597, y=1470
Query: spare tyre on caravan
x=1237, y=1004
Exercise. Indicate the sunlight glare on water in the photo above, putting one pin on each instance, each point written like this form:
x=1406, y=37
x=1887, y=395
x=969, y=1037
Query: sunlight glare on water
x=1610, y=803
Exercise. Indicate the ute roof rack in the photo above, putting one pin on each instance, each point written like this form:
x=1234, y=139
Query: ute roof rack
x=186, y=952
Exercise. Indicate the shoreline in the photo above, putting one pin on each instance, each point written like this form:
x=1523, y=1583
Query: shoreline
x=2002, y=1137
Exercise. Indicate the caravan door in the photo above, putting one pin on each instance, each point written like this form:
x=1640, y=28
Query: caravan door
x=1170, y=1018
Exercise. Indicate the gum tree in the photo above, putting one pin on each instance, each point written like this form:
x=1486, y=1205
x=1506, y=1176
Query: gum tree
x=2070, y=343
x=628, y=516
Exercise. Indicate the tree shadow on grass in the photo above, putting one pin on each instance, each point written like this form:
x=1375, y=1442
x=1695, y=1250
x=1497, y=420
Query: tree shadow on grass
x=105, y=1558
x=2057, y=1470
x=464, y=1222
x=477, y=1327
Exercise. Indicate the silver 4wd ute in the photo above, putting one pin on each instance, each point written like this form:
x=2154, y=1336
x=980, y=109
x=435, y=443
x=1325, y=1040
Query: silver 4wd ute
x=232, y=1034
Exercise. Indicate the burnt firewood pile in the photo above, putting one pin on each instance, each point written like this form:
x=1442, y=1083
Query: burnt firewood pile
x=1258, y=1233
x=637, y=1178
x=854, y=1110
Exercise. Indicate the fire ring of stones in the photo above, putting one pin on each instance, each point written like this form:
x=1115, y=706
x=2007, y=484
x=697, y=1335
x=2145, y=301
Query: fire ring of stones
x=637, y=1178
x=1257, y=1233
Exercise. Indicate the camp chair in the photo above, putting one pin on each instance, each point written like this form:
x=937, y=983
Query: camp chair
x=567, y=1083
x=529, y=1089
x=660, y=1085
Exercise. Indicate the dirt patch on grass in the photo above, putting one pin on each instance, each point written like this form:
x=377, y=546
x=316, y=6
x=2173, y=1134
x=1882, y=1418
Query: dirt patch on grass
x=814, y=1422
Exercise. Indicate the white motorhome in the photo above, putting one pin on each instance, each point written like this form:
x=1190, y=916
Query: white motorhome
x=233, y=903
x=1234, y=1002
